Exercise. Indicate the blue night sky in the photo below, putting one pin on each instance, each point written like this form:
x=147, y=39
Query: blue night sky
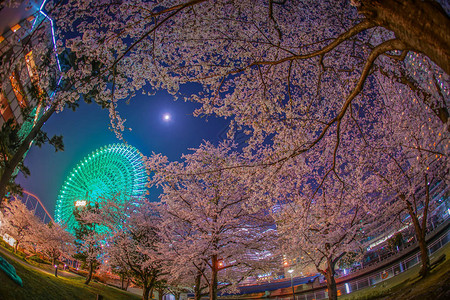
x=86, y=129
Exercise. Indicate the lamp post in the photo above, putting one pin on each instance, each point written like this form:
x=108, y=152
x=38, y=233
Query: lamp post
x=292, y=283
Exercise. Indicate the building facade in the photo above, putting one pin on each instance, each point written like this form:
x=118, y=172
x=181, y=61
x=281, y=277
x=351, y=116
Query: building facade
x=29, y=69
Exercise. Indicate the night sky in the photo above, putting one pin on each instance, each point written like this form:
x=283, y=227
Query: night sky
x=86, y=129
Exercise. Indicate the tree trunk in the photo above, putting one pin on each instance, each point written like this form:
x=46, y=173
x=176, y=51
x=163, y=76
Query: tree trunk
x=160, y=293
x=425, y=269
x=331, y=282
x=122, y=282
x=91, y=270
x=146, y=291
x=422, y=25
x=10, y=167
x=213, y=282
x=197, y=288
x=55, y=265
x=420, y=234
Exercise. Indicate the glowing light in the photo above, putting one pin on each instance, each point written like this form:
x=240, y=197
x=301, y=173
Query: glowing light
x=9, y=239
x=15, y=28
x=80, y=203
x=112, y=172
x=166, y=117
x=53, y=32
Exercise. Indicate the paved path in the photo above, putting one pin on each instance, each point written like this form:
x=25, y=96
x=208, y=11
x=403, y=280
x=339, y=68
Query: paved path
x=61, y=273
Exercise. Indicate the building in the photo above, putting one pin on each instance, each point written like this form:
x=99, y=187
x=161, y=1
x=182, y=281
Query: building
x=28, y=67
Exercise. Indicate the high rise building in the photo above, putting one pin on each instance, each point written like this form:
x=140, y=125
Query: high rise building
x=29, y=67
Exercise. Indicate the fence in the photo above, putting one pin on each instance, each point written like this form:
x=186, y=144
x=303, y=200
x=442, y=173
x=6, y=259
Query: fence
x=377, y=277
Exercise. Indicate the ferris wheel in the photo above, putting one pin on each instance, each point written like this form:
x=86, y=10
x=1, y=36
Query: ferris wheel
x=112, y=172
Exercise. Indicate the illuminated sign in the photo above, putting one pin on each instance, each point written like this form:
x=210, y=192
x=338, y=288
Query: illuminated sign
x=80, y=203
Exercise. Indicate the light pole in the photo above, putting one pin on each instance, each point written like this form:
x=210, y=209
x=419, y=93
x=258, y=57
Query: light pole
x=292, y=283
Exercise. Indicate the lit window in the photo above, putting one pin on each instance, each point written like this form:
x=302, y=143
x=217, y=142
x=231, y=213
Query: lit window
x=5, y=109
x=31, y=67
x=17, y=90
x=15, y=27
x=1, y=38
x=30, y=18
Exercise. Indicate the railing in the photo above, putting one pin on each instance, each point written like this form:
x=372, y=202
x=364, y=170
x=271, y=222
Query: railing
x=377, y=277
x=34, y=204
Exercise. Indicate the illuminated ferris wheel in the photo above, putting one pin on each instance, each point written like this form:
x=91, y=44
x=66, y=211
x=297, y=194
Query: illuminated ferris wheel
x=111, y=172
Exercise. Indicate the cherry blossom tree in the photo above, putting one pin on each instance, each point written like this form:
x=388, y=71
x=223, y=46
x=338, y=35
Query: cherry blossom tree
x=55, y=242
x=207, y=222
x=130, y=238
x=411, y=159
x=89, y=240
x=321, y=226
x=19, y=222
x=135, y=248
x=275, y=67
x=287, y=71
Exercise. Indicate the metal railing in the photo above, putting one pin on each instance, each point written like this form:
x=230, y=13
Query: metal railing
x=377, y=277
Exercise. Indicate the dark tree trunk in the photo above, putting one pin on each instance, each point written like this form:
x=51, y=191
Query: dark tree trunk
x=331, y=282
x=213, y=282
x=10, y=167
x=197, y=288
x=146, y=292
x=55, y=265
x=122, y=282
x=422, y=25
x=176, y=296
x=425, y=259
x=89, y=276
x=420, y=235
x=421, y=229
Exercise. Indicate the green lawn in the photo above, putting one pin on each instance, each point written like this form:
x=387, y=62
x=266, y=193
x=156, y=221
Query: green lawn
x=408, y=285
x=40, y=285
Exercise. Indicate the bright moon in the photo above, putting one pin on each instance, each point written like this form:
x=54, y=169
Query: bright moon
x=166, y=117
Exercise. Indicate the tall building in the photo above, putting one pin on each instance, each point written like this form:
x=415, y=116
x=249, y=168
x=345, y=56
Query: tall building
x=28, y=59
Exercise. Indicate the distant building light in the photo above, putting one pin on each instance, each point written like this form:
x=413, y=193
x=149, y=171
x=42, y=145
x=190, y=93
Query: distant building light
x=9, y=239
x=1, y=38
x=80, y=203
x=15, y=28
x=31, y=18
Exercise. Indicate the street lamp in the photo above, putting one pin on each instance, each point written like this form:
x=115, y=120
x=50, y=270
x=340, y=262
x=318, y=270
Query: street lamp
x=292, y=283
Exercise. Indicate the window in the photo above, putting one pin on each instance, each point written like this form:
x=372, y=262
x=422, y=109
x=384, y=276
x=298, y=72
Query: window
x=17, y=90
x=15, y=28
x=31, y=67
x=5, y=109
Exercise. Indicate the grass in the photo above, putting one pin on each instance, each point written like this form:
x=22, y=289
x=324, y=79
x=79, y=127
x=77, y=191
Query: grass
x=39, y=285
x=408, y=285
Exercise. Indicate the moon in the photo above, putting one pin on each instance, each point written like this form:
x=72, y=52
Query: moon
x=167, y=117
